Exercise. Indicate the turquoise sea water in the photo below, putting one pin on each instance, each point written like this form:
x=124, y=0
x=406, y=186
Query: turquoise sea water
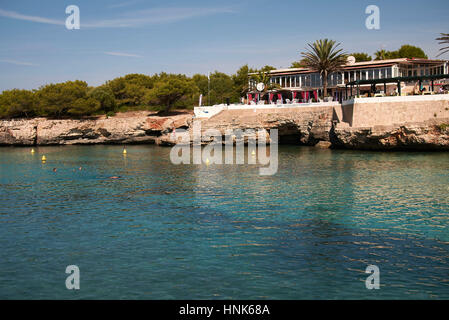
x=222, y=231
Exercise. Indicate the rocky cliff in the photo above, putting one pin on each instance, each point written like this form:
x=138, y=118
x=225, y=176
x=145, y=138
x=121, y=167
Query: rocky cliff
x=134, y=127
x=428, y=135
x=321, y=126
x=306, y=125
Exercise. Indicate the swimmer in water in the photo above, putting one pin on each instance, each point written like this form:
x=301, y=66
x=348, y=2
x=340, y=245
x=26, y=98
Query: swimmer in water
x=81, y=168
x=54, y=169
x=115, y=177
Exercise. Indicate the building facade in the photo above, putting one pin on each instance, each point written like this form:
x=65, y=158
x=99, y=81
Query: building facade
x=302, y=84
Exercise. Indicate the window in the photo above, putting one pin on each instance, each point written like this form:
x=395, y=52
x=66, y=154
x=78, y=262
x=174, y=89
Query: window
x=315, y=81
x=339, y=78
x=370, y=74
x=308, y=81
x=363, y=75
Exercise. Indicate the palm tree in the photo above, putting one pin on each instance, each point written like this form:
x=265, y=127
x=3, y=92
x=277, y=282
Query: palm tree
x=264, y=77
x=381, y=55
x=324, y=57
x=444, y=39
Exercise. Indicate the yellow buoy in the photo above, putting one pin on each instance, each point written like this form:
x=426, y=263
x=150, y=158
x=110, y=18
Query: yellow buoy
x=207, y=161
x=253, y=153
x=124, y=151
x=44, y=158
x=32, y=150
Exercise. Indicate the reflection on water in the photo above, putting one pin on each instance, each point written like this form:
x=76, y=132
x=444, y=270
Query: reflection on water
x=222, y=231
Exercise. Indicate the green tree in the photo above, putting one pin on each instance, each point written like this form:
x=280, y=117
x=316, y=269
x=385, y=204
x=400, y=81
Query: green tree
x=84, y=107
x=266, y=68
x=381, y=54
x=201, y=82
x=171, y=91
x=221, y=86
x=408, y=51
x=131, y=89
x=325, y=57
x=17, y=103
x=298, y=64
x=444, y=40
x=405, y=51
x=264, y=77
x=240, y=79
x=361, y=56
x=57, y=99
x=104, y=95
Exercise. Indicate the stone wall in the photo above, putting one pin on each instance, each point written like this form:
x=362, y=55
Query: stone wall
x=386, y=111
x=296, y=125
x=394, y=123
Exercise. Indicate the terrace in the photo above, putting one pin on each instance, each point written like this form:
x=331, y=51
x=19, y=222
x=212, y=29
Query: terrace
x=301, y=85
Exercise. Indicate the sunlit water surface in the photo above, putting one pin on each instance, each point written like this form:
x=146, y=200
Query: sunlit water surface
x=223, y=231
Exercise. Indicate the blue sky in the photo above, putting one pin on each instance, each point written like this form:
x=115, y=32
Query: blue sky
x=118, y=37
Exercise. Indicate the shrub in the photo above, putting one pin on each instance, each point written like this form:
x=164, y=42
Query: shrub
x=17, y=103
x=105, y=96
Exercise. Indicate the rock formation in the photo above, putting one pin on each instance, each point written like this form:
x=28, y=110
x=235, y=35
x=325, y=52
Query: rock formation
x=136, y=127
x=321, y=126
x=429, y=135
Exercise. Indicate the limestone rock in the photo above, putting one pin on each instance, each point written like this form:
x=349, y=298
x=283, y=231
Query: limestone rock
x=136, y=127
x=429, y=135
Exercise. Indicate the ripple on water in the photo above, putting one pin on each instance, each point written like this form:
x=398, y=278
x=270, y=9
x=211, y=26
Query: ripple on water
x=220, y=231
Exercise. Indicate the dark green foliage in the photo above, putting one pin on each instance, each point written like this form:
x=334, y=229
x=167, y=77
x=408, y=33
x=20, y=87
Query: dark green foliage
x=83, y=107
x=172, y=90
x=298, y=64
x=406, y=51
x=361, y=56
x=222, y=86
x=63, y=99
x=130, y=89
x=105, y=96
x=130, y=92
x=17, y=103
x=326, y=57
x=240, y=79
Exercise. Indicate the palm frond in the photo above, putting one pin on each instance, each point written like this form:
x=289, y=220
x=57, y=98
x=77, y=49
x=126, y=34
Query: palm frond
x=444, y=39
x=324, y=56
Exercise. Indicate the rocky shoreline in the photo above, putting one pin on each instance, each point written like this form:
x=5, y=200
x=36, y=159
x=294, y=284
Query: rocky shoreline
x=126, y=128
x=424, y=136
x=313, y=127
